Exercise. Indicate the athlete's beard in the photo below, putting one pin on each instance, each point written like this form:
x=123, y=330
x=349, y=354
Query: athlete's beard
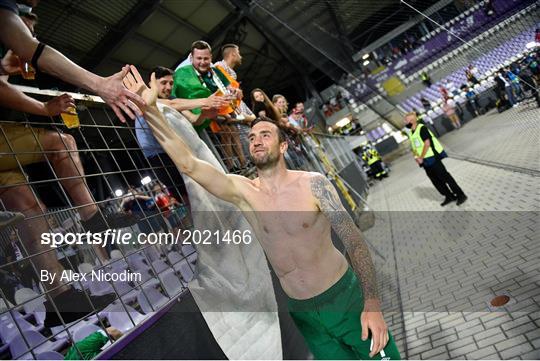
x=267, y=161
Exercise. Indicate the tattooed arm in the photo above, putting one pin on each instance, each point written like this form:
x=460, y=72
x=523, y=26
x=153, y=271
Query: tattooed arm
x=330, y=205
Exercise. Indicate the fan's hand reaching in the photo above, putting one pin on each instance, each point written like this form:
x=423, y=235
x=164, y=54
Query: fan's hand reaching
x=134, y=82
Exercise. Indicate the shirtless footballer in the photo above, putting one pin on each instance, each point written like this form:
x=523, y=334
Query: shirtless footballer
x=335, y=306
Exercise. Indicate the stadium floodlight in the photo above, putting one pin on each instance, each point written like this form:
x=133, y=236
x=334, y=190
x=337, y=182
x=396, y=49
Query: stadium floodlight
x=146, y=180
x=365, y=56
x=365, y=63
x=118, y=192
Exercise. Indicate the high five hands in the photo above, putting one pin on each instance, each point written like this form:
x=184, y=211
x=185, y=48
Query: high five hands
x=160, y=128
x=135, y=83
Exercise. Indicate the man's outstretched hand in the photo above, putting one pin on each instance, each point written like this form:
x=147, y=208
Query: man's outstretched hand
x=114, y=93
x=135, y=84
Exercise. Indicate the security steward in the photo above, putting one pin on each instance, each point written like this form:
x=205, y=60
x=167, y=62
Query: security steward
x=374, y=161
x=428, y=153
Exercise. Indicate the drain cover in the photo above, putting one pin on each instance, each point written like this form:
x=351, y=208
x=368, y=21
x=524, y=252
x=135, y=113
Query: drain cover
x=499, y=301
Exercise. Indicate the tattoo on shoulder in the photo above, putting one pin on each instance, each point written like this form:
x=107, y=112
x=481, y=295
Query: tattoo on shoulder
x=324, y=191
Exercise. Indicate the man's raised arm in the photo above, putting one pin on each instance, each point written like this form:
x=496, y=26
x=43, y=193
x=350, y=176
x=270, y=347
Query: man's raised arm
x=15, y=36
x=224, y=186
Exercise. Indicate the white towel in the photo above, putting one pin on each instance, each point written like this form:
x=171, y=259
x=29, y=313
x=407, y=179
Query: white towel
x=229, y=277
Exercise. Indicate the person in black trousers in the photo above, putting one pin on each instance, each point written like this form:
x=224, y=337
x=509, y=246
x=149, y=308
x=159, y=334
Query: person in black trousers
x=428, y=153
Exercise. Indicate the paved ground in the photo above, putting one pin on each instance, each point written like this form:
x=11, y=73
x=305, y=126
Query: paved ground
x=439, y=267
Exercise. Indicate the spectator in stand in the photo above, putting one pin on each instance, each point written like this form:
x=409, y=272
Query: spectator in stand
x=472, y=100
x=336, y=107
x=503, y=86
x=514, y=83
x=90, y=346
x=426, y=80
x=29, y=18
x=200, y=80
x=281, y=104
x=298, y=118
x=327, y=110
x=529, y=84
x=450, y=111
x=444, y=92
x=163, y=167
x=163, y=200
x=61, y=152
x=451, y=87
x=230, y=135
x=20, y=263
x=14, y=35
x=470, y=74
x=231, y=60
x=340, y=100
x=262, y=106
x=144, y=208
x=425, y=103
x=532, y=60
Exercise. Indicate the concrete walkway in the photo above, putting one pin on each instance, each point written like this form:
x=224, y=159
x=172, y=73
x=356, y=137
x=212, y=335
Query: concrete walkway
x=439, y=268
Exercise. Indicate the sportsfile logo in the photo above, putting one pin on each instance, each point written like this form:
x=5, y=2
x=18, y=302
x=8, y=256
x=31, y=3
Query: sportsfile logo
x=117, y=237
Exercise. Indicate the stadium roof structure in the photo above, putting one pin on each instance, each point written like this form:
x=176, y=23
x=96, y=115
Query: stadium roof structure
x=288, y=47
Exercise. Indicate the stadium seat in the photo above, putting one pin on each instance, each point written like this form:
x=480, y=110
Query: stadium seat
x=170, y=281
x=50, y=355
x=160, y=266
x=19, y=349
x=125, y=291
x=10, y=328
x=119, y=318
x=150, y=299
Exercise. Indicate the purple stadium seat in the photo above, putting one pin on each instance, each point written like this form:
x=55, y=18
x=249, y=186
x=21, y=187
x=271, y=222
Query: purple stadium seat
x=50, y=355
x=151, y=299
x=19, y=348
x=119, y=319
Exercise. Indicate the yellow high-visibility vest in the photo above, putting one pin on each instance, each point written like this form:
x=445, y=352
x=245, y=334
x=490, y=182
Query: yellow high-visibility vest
x=417, y=144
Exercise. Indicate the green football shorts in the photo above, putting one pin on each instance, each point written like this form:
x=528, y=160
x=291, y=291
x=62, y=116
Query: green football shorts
x=330, y=323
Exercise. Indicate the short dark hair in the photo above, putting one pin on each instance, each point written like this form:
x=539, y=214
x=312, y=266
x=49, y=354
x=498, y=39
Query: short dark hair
x=224, y=48
x=281, y=133
x=161, y=71
x=201, y=45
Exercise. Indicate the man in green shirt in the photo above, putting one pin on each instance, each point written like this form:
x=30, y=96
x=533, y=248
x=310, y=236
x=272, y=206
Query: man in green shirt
x=200, y=79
